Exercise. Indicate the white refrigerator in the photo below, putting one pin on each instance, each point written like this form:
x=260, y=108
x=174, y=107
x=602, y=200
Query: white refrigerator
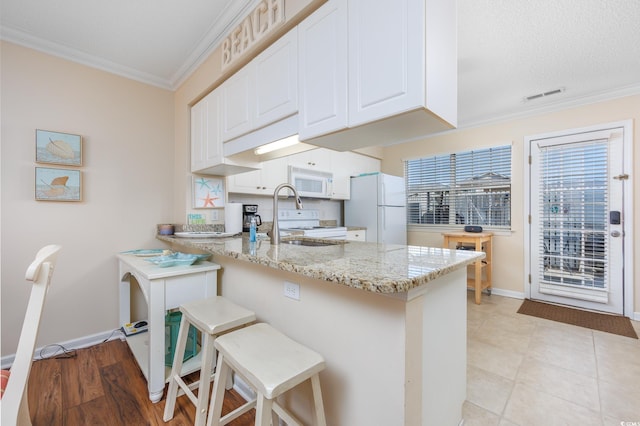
x=378, y=202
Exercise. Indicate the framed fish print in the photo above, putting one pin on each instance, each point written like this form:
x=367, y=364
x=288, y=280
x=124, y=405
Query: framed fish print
x=53, y=184
x=207, y=192
x=58, y=148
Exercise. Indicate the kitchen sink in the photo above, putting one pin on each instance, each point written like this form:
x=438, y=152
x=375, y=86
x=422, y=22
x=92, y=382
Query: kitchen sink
x=312, y=243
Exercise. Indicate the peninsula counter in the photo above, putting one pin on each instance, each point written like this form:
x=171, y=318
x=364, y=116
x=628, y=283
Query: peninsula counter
x=390, y=321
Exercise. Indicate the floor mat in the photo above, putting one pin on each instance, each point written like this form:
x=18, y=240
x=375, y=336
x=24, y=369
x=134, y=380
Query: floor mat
x=603, y=322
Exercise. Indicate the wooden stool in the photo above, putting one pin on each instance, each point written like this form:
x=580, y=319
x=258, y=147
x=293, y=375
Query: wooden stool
x=212, y=316
x=272, y=364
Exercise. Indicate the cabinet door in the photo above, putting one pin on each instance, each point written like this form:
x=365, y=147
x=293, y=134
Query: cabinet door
x=198, y=135
x=322, y=54
x=386, y=58
x=347, y=164
x=212, y=140
x=276, y=81
x=314, y=159
x=341, y=166
x=274, y=172
x=360, y=235
x=360, y=163
x=206, y=145
x=237, y=104
x=260, y=182
x=246, y=183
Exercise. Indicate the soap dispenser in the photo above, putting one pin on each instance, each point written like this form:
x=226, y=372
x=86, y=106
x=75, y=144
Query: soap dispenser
x=252, y=230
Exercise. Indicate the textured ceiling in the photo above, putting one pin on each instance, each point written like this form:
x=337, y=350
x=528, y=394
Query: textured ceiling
x=511, y=49
x=507, y=49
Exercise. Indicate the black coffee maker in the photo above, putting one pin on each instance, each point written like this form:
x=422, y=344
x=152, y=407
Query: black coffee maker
x=249, y=211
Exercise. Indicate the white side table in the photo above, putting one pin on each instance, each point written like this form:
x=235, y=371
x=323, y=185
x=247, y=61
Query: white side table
x=163, y=289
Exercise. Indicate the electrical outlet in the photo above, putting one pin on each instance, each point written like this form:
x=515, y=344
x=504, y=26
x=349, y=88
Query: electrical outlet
x=214, y=215
x=292, y=290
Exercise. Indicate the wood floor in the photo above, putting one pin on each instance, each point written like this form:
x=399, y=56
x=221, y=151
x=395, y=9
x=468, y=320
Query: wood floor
x=102, y=385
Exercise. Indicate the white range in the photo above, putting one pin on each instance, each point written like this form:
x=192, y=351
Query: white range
x=308, y=222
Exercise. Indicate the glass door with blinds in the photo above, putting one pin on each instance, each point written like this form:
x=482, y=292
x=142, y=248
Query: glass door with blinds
x=576, y=211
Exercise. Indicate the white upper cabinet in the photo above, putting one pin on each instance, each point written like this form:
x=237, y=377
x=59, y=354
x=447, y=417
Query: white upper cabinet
x=386, y=60
x=206, y=142
x=199, y=134
x=263, y=91
x=401, y=76
x=276, y=80
x=260, y=182
x=345, y=165
x=237, y=103
x=315, y=159
x=322, y=53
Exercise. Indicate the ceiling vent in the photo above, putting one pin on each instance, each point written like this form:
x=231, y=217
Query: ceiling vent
x=544, y=94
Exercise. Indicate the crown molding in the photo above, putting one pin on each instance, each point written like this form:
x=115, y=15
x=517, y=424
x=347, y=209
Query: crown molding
x=231, y=16
x=55, y=49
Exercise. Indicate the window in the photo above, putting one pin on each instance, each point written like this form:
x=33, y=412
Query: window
x=463, y=188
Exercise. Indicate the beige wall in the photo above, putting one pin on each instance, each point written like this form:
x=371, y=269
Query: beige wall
x=509, y=251
x=127, y=188
x=136, y=175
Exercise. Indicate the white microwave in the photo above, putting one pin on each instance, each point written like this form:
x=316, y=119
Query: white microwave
x=311, y=183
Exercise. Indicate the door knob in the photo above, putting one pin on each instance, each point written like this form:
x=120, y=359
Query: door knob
x=615, y=233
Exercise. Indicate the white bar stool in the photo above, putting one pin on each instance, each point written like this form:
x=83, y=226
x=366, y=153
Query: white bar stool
x=272, y=364
x=212, y=317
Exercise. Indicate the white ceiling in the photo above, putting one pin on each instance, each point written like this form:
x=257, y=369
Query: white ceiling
x=507, y=49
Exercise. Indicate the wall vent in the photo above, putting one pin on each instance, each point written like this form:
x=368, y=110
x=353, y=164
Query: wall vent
x=544, y=94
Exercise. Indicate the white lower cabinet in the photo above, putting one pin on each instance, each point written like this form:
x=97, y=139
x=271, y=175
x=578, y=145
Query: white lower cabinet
x=359, y=235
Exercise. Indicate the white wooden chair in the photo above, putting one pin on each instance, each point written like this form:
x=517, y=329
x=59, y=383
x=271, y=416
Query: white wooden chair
x=15, y=405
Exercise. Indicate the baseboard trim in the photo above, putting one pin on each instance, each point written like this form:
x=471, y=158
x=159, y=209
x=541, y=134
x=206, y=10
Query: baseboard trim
x=505, y=293
x=80, y=343
x=508, y=293
x=242, y=388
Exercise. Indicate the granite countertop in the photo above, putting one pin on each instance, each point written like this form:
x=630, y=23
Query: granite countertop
x=372, y=267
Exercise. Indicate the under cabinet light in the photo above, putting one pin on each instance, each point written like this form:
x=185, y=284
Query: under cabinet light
x=282, y=143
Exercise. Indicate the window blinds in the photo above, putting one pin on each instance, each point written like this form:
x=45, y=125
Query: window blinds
x=470, y=188
x=573, y=211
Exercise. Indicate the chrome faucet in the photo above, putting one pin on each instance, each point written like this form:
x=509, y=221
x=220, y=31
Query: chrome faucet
x=275, y=229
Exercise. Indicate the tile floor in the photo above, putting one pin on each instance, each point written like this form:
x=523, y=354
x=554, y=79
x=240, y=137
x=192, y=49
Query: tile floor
x=527, y=371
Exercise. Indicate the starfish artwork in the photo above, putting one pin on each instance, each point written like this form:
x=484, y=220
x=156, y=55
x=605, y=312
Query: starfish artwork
x=209, y=201
x=207, y=192
x=203, y=183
